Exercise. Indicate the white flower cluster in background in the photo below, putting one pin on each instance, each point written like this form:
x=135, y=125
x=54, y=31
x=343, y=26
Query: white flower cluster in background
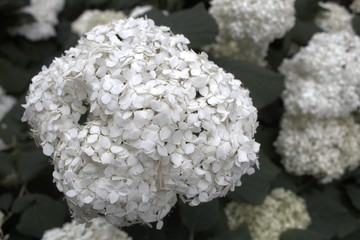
x=6, y=103
x=355, y=6
x=45, y=14
x=318, y=135
x=91, y=18
x=161, y=121
x=99, y=229
x=323, y=148
x=333, y=18
x=251, y=25
x=281, y=210
x=322, y=79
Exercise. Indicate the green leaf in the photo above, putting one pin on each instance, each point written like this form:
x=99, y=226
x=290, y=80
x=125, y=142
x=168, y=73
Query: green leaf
x=306, y=9
x=200, y=218
x=355, y=21
x=256, y=187
x=241, y=233
x=31, y=163
x=14, y=79
x=195, y=23
x=6, y=164
x=22, y=203
x=5, y=201
x=300, y=234
x=353, y=191
x=12, y=5
x=355, y=235
x=303, y=32
x=43, y=214
x=265, y=85
x=14, y=127
x=329, y=217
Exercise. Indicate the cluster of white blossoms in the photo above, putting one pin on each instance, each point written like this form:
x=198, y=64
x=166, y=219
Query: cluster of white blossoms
x=45, y=14
x=93, y=17
x=319, y=136
x=355, y=6
x=99, y=229
x=333, y=18
x=249, y=25
x=281, y=210
x=161, y=121
x=6, y=103
x=322, y=79
x=323, y=148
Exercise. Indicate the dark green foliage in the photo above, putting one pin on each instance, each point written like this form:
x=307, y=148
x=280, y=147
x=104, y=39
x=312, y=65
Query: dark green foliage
x=195, y=23
x=299, y=234
x=265, y=85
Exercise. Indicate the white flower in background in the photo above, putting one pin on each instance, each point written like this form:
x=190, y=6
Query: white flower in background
x=45, y=13
x=323, y=148
x=141, y=10
x=6, y=103
x=252, y=24
x=282, y=210
x=333, y=18
x=322, y=79
x=99, y=229
x=161, y=121
x=355, y=6
x=91, y=18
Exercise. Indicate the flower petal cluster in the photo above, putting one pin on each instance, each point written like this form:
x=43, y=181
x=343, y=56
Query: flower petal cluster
x=6, y=103
x=319, y=135
x=323, y=148
x=334, y=18
x=99, y=229
x=322, y=79
x=251, y=24
x=132, y=118
x=45, y=14
x=282, y=210
x=355, y=6
x=93, y=17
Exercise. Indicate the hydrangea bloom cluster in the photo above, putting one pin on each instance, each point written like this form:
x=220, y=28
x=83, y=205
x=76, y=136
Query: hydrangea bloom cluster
x=333, y=18
x=91, y=18
x=355, y=6
x=281, y=210
x=99, y=229
x=322, y=79
x=319, y=136
x=251, y=25
x=6, y=103
x=45, y=14
x=323, y=148
x=161, y=121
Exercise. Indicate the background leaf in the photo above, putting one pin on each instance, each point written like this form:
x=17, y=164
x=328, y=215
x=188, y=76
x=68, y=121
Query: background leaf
x=300, y=234
x=265, y=85
x=200, y=218
x=43, y=214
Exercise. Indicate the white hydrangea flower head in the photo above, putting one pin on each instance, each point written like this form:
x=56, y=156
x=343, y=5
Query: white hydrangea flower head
x=99, y=229
x=323, y=148
x=45, y=13
x=161, y=120
x=322, y=79
x=355, y=6
x=6, y=103
x=334, y=18
x=281, y=210
x=91, y=18
x=256, y=20
x=252, y=25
